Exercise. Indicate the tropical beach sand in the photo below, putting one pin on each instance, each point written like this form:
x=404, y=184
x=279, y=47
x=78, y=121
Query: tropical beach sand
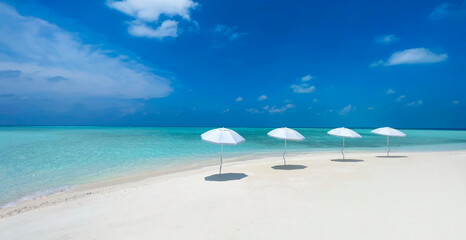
x=417, y=195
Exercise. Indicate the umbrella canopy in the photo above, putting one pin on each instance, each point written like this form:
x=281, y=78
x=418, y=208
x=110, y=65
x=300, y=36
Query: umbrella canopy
x=286, y=134
x=389, y=132
x=222, y=136
x=344, y=132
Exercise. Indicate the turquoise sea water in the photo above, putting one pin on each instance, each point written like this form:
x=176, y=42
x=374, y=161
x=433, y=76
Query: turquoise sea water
x=36, y=161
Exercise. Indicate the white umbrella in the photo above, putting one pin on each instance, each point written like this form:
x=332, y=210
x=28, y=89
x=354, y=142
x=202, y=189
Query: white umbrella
x=222, y=136
x=389, y=132
x=286, y=134
x=344, y=132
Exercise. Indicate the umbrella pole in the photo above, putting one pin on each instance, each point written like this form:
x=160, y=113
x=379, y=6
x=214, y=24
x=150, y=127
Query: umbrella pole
x=284, y=160
x=343, y=148
x=221, y=160
x=388, y=145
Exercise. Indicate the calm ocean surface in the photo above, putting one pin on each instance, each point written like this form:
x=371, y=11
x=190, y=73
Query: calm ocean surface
x=37, y=161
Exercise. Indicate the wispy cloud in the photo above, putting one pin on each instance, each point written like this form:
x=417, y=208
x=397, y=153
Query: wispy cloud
x=231, y=33
x=346, y=110
x=274, y=109
x=449, y=10
x=57, y=79
x=414, y=103
x=262, y=98
x=223, y=35
x=390, y=91
x=412, y=56
x=254, y=110
x=147, y=13
x=239, y=99
x=303, y=87
x=386, y=39
x=370, y=108
x=306, y=78
x=400, y=98
x=456, y=102
x=40, y=58
x=168, y=28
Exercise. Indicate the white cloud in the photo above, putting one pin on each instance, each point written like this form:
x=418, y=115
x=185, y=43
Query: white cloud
x=370, y=108
x=261, y=98
x=378, y=63
x=415, y=103
x=390, y=91
x=253, y=110
x=274, y=109
x=239, y=99
x=315, y=100
x=231, y=33
x=400, y=98
x=306, y=78
x=42, y=55
x=168, y=28
x=456, y=102
x=412, y=56
x=150, y=10
x=448, y=10
x=226, y=110
x=346, y=110
x=386, y=39
x=146, y=13
x=302, y=88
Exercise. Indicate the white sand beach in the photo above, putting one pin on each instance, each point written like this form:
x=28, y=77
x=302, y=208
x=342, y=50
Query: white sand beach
x=417, y=195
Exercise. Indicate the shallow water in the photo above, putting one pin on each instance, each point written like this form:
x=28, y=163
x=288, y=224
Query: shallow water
x=37, y=161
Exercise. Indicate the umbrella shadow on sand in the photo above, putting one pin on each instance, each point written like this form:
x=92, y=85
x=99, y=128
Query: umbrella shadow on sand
x=225, y=177
x=392, y=156
x=347, y=160
x=289, y=167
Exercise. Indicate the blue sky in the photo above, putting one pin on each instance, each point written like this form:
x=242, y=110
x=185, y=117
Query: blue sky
x=233, y=63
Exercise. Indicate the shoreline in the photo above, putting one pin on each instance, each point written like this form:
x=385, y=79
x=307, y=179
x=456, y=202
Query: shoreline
x=79, y=191
x=412, y=195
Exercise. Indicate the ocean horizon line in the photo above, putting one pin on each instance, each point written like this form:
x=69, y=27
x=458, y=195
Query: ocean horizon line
x=237, y=126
